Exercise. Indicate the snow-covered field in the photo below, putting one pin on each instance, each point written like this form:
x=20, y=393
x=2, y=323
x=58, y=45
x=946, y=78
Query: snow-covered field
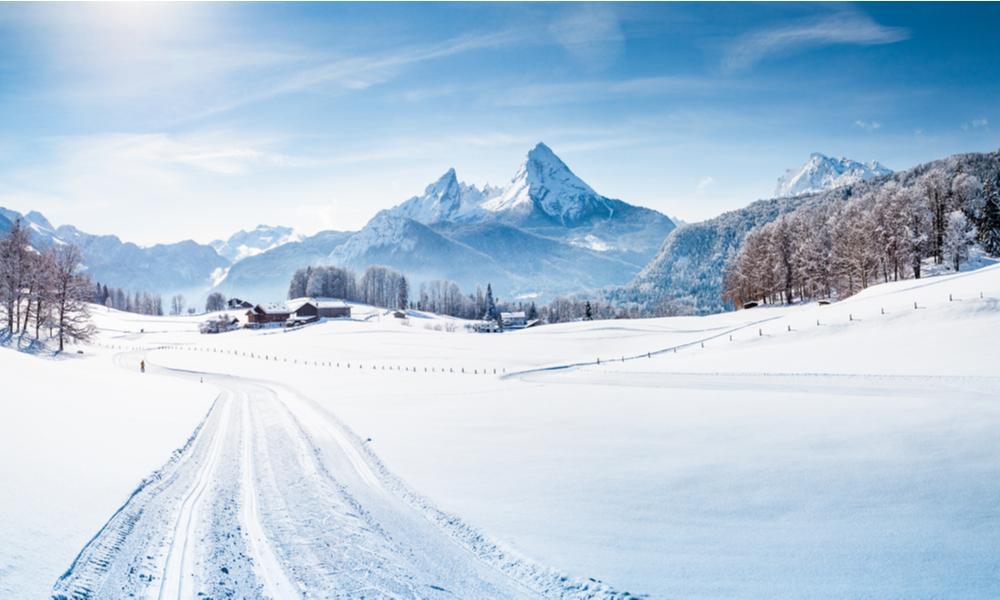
x=77, y=435
x=745, y=454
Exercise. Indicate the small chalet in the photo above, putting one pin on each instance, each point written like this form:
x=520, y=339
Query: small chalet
x=236, y=304
x=513, y=320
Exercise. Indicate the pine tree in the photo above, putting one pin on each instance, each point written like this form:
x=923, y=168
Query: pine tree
x=491, y=306
x=532, y=312
x=403, y=300
x=588, y=312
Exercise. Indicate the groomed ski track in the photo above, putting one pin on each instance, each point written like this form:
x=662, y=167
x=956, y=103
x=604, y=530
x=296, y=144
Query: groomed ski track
x=273, y=497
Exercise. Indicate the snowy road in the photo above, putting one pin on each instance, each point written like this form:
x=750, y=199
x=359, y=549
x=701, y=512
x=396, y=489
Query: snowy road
x=273, y=497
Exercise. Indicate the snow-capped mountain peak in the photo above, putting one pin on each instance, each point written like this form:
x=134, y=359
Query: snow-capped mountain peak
x=821, y=173
x=244, y=243
x=444, y=200
x=545, y=182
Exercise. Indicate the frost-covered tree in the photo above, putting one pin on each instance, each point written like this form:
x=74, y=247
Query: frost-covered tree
x=297, y=286
x=989, y=220
x=403, y=294
x=177, y=305
x=936, y=187
x=15, y=257
x=70, y=294
x=215, y=302
x=959, y=235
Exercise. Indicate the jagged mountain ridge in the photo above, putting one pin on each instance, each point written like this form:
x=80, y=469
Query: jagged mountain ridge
x=243, y=243
x=184, y=267
x=821, y=173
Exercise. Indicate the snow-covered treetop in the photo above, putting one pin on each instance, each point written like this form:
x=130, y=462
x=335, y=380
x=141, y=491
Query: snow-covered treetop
x=821, y=173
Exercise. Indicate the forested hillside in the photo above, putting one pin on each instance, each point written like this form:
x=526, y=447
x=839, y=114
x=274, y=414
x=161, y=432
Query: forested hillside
x=688, y=274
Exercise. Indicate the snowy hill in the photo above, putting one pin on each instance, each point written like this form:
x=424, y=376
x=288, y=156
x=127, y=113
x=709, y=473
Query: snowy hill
x=243, y=244
x=821, y=173
x=820, y=451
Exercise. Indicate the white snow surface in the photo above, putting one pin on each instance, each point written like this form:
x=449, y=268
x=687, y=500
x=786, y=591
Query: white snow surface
x=856, y=457
x=821, y=173
x=77, y=435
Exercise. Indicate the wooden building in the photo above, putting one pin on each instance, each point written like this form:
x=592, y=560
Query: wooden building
x=269, y=313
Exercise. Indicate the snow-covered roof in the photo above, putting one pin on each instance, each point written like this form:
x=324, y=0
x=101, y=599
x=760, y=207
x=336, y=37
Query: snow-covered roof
x=512, y=315
x=273, y=308
x=296, y=303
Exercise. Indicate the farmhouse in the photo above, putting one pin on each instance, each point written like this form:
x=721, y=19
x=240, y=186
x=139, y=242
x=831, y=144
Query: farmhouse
x=323, y=308
x=263, y=314
x=513, y=320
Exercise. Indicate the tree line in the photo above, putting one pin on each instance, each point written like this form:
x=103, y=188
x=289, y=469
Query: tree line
x=43, y=291
x=886, y=234
x=386, y=288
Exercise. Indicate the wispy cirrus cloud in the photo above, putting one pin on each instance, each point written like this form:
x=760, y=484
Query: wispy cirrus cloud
x=867, y=125
x=839, y=28
x=590, y=33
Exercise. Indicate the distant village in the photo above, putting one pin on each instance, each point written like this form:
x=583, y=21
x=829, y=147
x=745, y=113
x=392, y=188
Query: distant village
x=303, y=311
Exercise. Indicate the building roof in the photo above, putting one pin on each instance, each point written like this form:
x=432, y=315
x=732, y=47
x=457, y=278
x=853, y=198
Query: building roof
x=512, y=315
x=296, y=303
x=273, y=309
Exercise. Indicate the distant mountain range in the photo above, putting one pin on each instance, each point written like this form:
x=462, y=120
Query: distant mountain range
x=545, y=233
x=821, y=173
x=184, y=267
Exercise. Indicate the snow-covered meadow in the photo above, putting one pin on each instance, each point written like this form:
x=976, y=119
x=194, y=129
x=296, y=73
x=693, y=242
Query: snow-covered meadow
x=748, y=454
x=77, y=435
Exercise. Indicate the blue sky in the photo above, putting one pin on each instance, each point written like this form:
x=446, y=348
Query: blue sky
x=159, y=122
